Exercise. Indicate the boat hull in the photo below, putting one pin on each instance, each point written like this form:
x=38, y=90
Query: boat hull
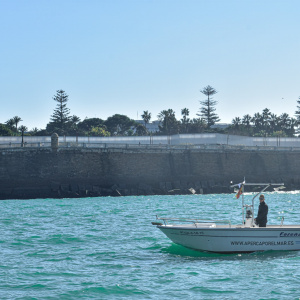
x=234, y=239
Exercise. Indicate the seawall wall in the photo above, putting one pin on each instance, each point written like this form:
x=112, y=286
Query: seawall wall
x=77, y=172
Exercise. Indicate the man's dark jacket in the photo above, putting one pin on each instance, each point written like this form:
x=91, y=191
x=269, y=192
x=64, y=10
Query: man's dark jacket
x=261, y=218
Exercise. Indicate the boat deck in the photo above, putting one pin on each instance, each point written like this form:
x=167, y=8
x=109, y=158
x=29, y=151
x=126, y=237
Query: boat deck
x=220, y=226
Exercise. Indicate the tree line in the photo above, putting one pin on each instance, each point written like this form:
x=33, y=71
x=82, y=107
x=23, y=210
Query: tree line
x=63, y=123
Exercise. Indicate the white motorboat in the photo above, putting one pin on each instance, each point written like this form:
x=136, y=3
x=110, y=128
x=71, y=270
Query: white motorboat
x=223, y=237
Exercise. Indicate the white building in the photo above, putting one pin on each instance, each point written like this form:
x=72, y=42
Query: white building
x=151, y=127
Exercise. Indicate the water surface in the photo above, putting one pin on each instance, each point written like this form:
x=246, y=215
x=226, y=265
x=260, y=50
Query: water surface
x=106, y=248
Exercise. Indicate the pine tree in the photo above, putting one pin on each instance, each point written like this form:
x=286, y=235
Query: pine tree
x=297, y=113
x=60, y=118
x=208, y=109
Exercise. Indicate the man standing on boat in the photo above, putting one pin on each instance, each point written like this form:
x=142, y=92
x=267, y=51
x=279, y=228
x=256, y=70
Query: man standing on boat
x=261, y=219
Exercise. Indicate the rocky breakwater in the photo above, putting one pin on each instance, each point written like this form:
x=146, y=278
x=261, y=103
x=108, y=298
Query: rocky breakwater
x=27, y=173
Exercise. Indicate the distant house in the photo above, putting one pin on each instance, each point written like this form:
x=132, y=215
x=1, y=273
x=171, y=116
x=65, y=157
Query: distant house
x=151, y=127
x=220, y=125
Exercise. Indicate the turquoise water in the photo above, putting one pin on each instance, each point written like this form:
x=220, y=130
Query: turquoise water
x=106, y=248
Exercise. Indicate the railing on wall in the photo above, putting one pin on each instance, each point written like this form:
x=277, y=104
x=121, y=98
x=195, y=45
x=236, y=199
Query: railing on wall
x=211, y=147
x=190, y=140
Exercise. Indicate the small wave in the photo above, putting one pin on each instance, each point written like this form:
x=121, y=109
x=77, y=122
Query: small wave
x=220, y=279
x=211, y=291
x=63, y=239
x=125, y=291
x=182, y=251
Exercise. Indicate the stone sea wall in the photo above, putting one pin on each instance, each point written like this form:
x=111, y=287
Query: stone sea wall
x=27, y=173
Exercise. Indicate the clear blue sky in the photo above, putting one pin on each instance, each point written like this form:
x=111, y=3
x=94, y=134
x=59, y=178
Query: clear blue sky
x=127, y=56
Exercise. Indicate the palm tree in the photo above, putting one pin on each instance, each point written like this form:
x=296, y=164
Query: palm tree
x=293, y=124
x=266, y=113
x=146, y=117
x=10, y=124
x=284, y=121
x=185, y=120
x=5, y=131
x=274, y=122
x=236, y=122
x=73, y=126
x=169, y=124
x=34, y=131
x=257, y=121
x=246, y=121
x=197, y=125
x=16, y=121
x=23, y=128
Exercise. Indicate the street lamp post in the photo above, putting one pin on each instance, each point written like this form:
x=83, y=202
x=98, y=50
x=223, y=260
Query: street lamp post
x=22, y=144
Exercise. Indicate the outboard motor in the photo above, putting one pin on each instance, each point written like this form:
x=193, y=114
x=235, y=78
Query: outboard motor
x=248, y=218
x=248, y=214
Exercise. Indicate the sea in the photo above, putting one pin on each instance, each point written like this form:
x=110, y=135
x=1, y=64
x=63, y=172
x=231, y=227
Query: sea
x=107, y=248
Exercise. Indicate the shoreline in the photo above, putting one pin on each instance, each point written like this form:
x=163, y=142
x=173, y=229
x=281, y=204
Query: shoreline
x=62, y=192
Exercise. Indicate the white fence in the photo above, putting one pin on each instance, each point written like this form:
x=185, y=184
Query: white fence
x=172, y=140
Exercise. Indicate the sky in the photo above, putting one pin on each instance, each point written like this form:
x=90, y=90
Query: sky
x=129, y=56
